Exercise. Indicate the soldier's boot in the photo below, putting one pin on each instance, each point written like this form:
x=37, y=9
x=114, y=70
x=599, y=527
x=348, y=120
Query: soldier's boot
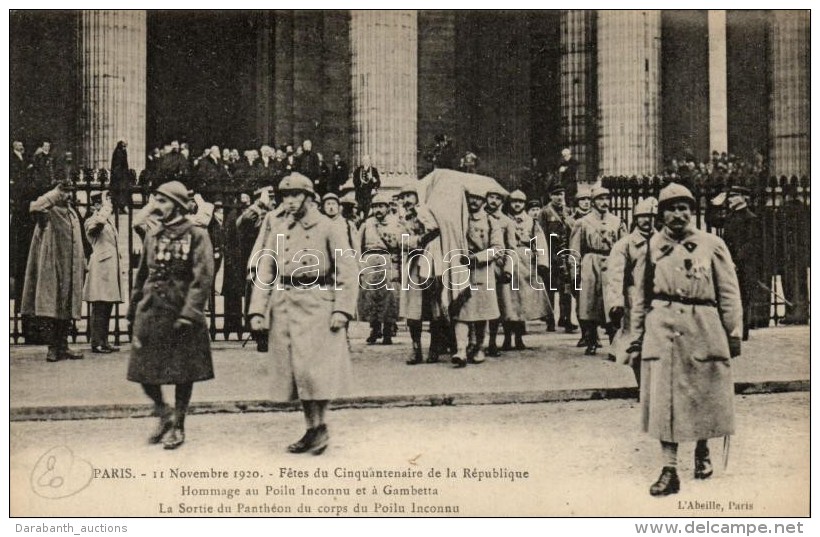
x=592, y=339
x=519, y=336
x=508, y=330
x=176, y=436
x=415, y=335
x=166, y=421
x=550, y=319
x=388, y=339
x=583, y=342
x=667, y=483
x=492, y=347
x=375, y=332
x=565, y=306
x=61, y=334
x=53, y=354
x=703, y=464
x=320, y=441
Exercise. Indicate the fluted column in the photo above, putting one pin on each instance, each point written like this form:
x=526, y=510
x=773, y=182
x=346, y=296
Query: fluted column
x=578, y=92
x=718, y=102
x=789, y=127
x=384, y=77
x=113, y=52
x=629, y=44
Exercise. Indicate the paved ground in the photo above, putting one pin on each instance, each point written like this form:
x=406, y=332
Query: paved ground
x=775, y=359
x=583, y=458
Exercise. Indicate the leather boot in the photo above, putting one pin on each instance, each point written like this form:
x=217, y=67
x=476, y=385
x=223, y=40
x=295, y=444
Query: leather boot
x=584, y=331
x=507, y=345
x=165, y=423
x=321, y=439
x=304, y=443
x=176, y=436
x=592, y=340
x=53, y=354
x=703, y=464
x=551, y=323
x=375, y=333
x=667, y=483
x=436, y=342
x=416, y=358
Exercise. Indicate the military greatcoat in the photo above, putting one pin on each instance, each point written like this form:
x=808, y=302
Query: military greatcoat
x=173, y=281
x=686, y=307
x=309, y=361
x=593, y=237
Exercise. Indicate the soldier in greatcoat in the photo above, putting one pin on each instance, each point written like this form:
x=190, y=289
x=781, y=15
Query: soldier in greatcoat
x=477, y=303
x=495, y=201
x=557, y=225
x=380, y=273
x=620, y=286
x=687, y=320
x=103, y=282
x=170, y=341
x=420, y=291
x=305, y=294
x=593, y=237
x=55, y=269
x=528, y=291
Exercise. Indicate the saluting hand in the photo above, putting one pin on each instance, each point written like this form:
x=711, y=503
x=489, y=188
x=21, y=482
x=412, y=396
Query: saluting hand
x=338, y=321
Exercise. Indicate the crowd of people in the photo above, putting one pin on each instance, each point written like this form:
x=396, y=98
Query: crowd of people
x=524, y=260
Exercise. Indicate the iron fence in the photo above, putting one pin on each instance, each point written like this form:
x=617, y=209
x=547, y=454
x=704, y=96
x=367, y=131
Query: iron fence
x=782, y=205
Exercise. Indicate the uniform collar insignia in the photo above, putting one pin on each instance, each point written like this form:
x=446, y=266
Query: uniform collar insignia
x=690, y=246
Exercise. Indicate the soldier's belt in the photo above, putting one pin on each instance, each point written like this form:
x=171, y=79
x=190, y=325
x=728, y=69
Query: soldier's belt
x=303, y=281
x=685, y=300
x=596, y=251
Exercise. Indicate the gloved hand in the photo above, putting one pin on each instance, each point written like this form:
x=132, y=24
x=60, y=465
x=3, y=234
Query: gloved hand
x=257, y=323
x=182, y=323
x=616, y=314
x=734, y=346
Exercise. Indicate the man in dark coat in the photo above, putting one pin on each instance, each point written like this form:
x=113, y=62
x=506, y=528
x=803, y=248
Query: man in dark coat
x=366, y=181
x=170, y=343
x=173, y=166
x=338, y=173
x=120, y=175
x=742, y=236
x=211, y=175
x=568, y=174
x=43, y=163
x=55, y=270
x=22, y=194
x=309, y=163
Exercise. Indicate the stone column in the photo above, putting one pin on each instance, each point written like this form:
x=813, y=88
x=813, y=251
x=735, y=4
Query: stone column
x=789, y=102
x=629, y=44
x=384, y=76
x=718, y=103
x=578, y=92
x=113, y=51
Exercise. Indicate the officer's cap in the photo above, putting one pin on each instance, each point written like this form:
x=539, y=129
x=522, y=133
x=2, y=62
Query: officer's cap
x=330, y=196
x=409, y=188
x=533, y=203
x=737, y=189
x=497, y=190
x=518, y=195
x=176, y=192
x=646, y=207
x=674, y=192
x=558, y=189
x=296, y=182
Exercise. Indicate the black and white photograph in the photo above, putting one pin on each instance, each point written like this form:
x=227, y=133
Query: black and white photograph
x=345, y=263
